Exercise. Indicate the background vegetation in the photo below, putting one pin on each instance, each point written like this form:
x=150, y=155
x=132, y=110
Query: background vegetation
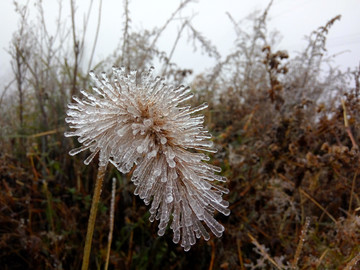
x=287, y=130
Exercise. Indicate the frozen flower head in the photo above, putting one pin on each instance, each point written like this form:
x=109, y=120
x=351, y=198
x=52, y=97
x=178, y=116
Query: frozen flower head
x=139, y=121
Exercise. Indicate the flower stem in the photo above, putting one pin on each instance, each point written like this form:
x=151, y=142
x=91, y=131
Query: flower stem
x=92, y=217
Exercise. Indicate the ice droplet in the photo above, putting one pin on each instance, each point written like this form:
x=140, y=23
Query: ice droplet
x=152, y=154
x=121, y=132
x=171, y=163
x=140, y=149
x=148, y=122
x=170, y=153
x=163, y=140
x=176, y=237
x=92, y=74
x=169, y=198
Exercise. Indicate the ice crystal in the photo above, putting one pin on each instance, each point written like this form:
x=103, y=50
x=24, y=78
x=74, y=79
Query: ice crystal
x=140, y=121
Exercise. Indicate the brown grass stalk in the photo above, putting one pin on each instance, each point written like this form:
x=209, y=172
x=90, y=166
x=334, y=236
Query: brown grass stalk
x=318, y=205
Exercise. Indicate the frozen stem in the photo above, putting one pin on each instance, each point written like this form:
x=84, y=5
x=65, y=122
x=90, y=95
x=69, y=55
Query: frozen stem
x=301, y=243
x=92, y=218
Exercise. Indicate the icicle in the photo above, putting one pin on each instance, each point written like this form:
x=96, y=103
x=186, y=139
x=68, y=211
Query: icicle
x=169, y=191
x=90, y=158
x=76, y=151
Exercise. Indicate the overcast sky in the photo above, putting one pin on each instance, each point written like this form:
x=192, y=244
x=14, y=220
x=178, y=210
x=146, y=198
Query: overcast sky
x=292, y=18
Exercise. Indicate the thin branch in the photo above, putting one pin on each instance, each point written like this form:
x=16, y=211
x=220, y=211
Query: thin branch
x=153, y=43
x=86, y=23
x=180, y=7
x=125, y=46
x=174, y=47
x=263, y=251
x=96, y=36
x=5, y=90
x=76, y=49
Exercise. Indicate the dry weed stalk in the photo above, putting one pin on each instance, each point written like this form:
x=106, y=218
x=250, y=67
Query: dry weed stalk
x=301, y=243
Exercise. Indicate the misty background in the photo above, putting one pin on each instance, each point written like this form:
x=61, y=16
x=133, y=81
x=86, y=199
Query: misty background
x=292, y=19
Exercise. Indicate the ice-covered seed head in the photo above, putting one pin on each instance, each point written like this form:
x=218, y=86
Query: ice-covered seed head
x=133, y=120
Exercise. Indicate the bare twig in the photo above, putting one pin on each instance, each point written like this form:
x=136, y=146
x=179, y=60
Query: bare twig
x=159, y=33
x=96, y=35
x=86, y=23
x=76, y=49
x=180, y=7
x=263, y=251
x=125, y=45
x=5, y=90
x=173, y=48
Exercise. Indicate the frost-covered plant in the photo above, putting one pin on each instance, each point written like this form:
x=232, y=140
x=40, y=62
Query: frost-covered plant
x=140, y=121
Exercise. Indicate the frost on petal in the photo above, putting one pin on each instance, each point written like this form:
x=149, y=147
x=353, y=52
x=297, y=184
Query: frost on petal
x=140, y=121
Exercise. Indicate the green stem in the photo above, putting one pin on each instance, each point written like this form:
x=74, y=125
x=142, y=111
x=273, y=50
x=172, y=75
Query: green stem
x=92, y=217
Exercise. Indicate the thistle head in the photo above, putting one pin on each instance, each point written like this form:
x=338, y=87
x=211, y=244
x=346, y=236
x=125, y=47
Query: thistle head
x=140, y=121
